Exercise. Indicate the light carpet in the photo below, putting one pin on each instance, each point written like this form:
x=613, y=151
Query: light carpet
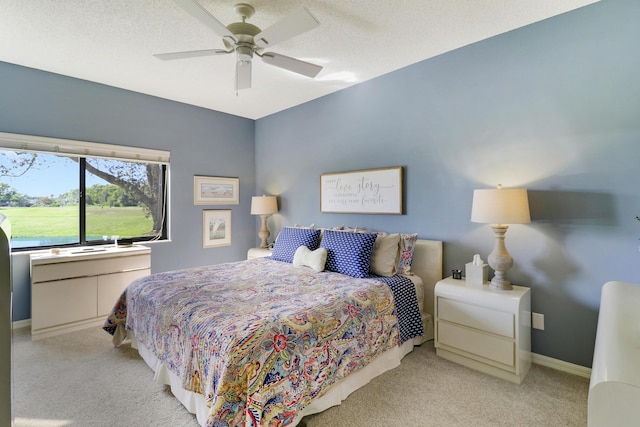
x=81, y=380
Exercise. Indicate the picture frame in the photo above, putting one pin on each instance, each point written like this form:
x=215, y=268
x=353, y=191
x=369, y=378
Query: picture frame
x=211, y=190
x=367, y=191
x=216, y=228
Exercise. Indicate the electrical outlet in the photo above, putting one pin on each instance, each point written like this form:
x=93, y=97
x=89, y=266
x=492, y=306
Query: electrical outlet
x=537, y=321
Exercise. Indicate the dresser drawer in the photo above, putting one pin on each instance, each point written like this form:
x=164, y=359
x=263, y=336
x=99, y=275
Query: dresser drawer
x=111, y=286
x=488, y=346
x=84, y=268
x=473, y=316
x=64, y=301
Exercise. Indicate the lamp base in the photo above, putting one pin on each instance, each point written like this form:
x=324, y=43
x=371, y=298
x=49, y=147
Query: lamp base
x=500, y=260
x=264, y=232
x=501, y=283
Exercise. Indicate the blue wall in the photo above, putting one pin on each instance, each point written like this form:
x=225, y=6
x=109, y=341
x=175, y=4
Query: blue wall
x=553, y=107
x=202, y=142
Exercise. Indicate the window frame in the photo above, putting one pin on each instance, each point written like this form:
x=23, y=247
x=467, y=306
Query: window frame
x=84, y=150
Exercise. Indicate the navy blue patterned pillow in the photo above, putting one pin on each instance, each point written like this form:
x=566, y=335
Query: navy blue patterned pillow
x=291, y=239
x=348, y=253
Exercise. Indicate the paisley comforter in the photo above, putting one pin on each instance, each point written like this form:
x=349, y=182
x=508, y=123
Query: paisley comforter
x=260, y=339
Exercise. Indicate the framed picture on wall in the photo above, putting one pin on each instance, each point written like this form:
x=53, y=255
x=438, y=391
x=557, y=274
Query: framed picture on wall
x=210, y=190
x=370, y=191
x=216, y=228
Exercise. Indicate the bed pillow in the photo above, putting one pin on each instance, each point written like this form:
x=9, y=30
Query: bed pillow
x=407, y=245
x=305, y=257
x=290, y=239
x=348, y=253
x=385, y=257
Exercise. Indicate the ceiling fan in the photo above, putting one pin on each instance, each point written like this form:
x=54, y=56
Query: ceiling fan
x=246, y=40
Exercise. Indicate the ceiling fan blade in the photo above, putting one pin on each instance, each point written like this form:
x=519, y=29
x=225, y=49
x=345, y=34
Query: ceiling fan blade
x=191, y=54
x=243, y=75
x=193, y=8
x=292, y=64
x=297, y=23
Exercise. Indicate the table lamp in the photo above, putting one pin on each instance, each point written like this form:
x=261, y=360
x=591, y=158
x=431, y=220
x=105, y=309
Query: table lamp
x=264, y=206
x=499, y=207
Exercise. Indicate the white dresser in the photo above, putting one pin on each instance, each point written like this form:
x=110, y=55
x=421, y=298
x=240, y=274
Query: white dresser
x=78, y=288
x=484, y=329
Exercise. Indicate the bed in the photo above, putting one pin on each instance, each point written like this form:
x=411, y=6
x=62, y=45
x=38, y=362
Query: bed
x=267, y=341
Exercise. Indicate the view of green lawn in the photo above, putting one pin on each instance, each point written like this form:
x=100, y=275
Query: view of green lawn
x=63, y=221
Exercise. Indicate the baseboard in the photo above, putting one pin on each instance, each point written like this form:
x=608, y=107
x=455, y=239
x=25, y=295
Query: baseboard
x=21, y=324
x=561, y=365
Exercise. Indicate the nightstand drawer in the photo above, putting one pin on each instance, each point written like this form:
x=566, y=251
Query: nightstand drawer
x=485, y=319
x=483, y=345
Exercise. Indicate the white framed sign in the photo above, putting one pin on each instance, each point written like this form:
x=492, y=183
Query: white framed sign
x=369, y=191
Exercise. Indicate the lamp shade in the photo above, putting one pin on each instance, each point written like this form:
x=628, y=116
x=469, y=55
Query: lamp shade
x=264, y=205
x=500, y=206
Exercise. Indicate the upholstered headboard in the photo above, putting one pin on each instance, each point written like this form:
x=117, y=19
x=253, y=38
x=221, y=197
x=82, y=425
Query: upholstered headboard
x=427, y=263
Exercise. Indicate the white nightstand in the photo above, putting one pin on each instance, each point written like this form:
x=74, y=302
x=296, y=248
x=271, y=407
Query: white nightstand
x=484, y=329
x=259, y=253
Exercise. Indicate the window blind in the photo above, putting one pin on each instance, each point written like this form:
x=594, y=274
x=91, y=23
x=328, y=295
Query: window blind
x=41, y=144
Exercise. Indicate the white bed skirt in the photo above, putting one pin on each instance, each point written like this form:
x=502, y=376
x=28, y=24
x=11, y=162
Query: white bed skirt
x=196, y=404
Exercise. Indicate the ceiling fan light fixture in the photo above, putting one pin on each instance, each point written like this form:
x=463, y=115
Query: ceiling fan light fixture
x=245, y=53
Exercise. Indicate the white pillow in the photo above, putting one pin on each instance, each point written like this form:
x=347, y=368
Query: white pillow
x=386, y=251
x=305, y=257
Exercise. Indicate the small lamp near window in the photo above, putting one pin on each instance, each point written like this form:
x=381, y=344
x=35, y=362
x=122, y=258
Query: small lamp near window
x=500, y=207
x=264, y=206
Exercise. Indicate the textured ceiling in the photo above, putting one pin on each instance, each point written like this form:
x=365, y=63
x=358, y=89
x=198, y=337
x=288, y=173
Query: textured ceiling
x=112, y=42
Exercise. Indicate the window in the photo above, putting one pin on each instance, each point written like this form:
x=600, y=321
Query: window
x=59, y=192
